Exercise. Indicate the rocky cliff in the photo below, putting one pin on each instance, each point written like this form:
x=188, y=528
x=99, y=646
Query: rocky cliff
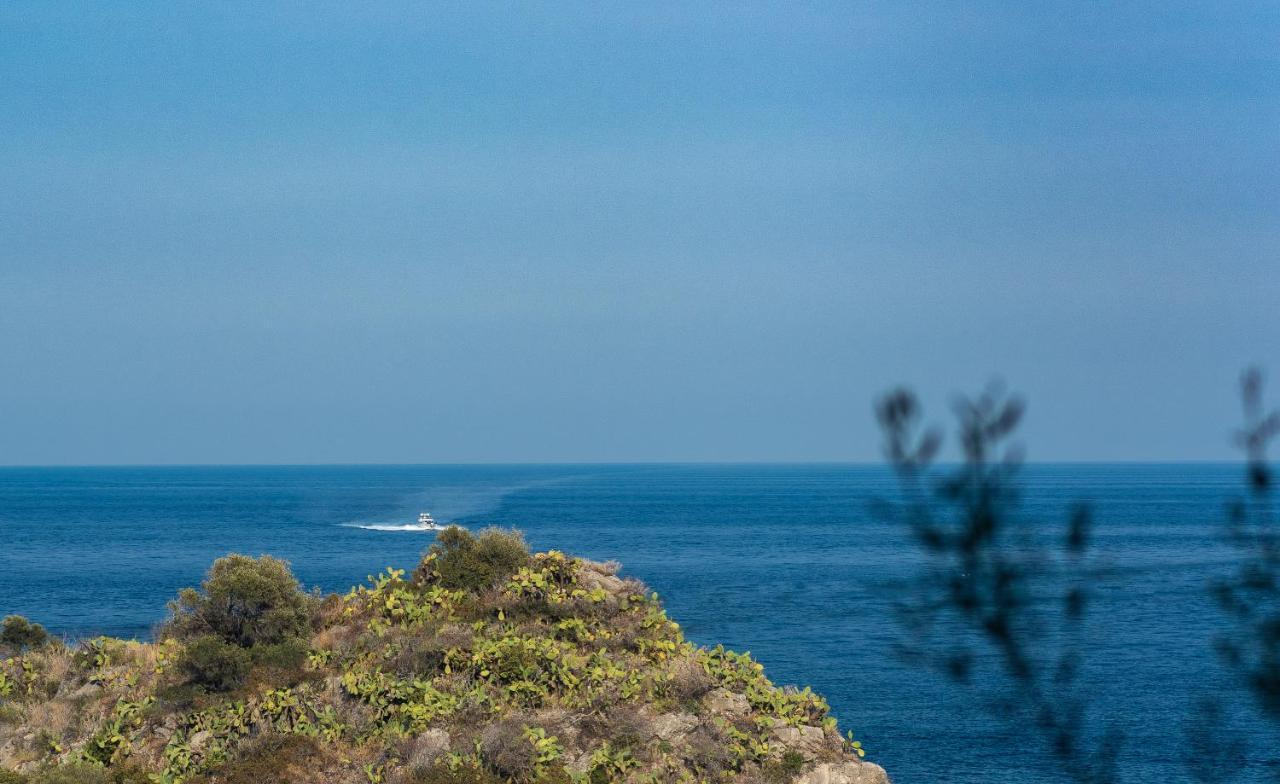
x=487, y=664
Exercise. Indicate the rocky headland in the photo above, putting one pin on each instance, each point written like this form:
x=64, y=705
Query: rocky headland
x=487, y=664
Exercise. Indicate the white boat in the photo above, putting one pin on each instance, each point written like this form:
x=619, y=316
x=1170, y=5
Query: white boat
x=427, y=523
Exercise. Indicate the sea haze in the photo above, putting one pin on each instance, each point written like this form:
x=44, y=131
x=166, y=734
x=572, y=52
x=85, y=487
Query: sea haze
x=788, y=562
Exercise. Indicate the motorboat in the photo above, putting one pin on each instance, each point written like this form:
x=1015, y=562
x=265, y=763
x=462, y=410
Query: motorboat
x=428, y=523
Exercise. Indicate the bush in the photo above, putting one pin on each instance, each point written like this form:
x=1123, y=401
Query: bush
x=460, y=561
x=10, y=713
x=784, y=770
x=419, y=657
x=12, y=777
x=19, y=634
x=245, y=601
x=289, y=656
x=281, y=663
x=215, y=664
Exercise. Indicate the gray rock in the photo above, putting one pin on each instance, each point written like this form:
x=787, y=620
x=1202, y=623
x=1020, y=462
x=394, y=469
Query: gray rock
x=198, y=740
x=578, y=763
x=851, y=772
x=429, y=747
x=810, y=742
x=723, y=701
x=673, y=726
x=591, y=578
x=86, y=691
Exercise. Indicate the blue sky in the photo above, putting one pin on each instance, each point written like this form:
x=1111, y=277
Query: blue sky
x=336, y=232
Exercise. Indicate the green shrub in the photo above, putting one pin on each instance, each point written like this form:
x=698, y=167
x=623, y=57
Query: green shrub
x=19, y=634
x=281, y=663
x=784, y=770
x=246, y=601
x=215, y=664
x=12, y=777
x=287, y=656
x=10, y=713
x=460, y=561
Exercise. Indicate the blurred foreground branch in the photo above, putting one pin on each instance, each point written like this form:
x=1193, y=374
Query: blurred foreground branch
x=987, y=600
x=1251, y=596
x=1000, y=605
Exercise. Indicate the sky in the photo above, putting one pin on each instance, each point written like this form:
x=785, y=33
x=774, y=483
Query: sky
x=575, y=232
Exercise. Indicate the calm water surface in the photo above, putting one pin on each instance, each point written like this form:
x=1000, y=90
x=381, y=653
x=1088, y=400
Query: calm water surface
x=784, y=561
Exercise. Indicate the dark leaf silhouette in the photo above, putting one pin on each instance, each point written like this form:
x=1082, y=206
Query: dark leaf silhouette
x=975, y=605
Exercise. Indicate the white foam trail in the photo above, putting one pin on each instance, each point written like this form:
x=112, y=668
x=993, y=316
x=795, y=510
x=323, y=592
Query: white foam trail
x=382, y=527
x=454, y=502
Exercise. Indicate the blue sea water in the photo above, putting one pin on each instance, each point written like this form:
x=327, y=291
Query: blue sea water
x=788, y=562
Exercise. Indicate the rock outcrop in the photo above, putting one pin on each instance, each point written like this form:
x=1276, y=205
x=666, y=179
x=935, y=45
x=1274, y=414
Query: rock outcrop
x=861, y=772
x=550, y=669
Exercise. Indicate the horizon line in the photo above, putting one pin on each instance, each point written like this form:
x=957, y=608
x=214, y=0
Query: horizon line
x=619, y=463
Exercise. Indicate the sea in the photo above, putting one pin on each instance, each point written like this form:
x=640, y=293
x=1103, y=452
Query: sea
x=797, y=564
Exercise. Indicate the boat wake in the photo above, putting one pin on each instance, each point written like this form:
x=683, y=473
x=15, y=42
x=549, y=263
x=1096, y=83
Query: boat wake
x=453, y=502
x=392, y=527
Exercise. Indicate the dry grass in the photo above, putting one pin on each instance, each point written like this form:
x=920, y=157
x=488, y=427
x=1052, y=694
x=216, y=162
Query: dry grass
x=623, y=726
x=689, y=682
x=504, y=748
x=706, y=750
x=294, y=759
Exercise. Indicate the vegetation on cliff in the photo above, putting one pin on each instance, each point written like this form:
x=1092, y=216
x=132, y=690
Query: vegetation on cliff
x=487, y=664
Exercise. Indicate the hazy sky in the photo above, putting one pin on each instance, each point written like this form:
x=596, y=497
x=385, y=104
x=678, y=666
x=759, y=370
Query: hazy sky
x=378, y=232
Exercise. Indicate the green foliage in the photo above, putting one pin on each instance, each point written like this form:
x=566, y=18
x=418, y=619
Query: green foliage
x=18, y=634
x=245, y=601
x=609, y=764
x=95, y=654
x=214, y=664
x=460, y=561
x=275, y=715
x=745, y=745
x=395, y=602
x=112, y=743
x=739, y=672
x=550, y=578
x=853, y=746
x=409, y=705
x=288, y=656
x=546, y=749
x=19, y=677
x=784, y=770
x=12, y=777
